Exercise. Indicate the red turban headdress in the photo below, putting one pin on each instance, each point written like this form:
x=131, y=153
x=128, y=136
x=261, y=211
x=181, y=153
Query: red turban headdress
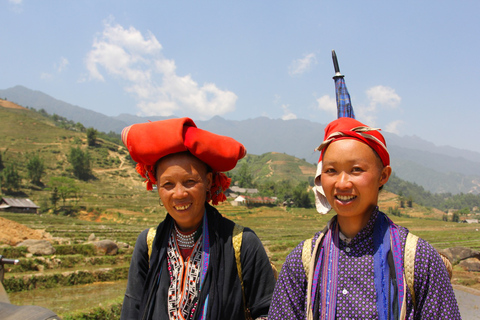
x=347, y=128
x=148, y=142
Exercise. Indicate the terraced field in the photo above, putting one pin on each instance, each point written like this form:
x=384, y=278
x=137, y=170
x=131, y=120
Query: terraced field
x=79, y=284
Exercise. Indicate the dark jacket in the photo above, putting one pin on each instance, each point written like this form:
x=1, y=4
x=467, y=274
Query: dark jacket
x=146, y=295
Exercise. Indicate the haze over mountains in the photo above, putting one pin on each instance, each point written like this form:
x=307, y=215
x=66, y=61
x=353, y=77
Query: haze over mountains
x=437, y=169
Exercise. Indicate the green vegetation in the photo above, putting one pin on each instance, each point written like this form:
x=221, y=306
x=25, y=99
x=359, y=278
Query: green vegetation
x=10, y=178
x=35, y=168
x=112, y=203
x=80, y=161
x=441, y=201
x=91, y=137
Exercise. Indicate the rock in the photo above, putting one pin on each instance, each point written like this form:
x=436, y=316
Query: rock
x=38, y=247
x=106, y=247
x=40, y=267
x=123, y=245
x=470, y=264
x=91, y=237
x=458, y=254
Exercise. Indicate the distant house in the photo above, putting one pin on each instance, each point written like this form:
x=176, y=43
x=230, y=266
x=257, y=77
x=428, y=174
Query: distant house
x=254, y=201
x=235, y=189
x=18, y=205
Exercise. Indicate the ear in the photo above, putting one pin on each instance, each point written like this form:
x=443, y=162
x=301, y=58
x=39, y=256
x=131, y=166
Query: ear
x=209, y=180
x=385, y=175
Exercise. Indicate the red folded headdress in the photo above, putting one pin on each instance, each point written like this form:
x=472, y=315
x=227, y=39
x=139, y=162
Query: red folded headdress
x=347, y=128
x=148, y=142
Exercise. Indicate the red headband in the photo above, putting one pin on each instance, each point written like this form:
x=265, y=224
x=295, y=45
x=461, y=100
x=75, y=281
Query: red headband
x=349, y=128
x=148, y=142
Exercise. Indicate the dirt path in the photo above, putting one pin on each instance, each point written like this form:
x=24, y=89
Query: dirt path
x=468, y=302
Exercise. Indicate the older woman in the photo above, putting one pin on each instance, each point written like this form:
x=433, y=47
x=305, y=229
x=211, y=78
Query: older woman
x=354, y=268
x=196, y=267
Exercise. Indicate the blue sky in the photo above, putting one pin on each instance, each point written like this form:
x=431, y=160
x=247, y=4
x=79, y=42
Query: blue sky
x=411, y=67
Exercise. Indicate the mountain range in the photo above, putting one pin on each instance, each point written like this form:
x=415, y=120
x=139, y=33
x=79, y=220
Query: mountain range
x=438, y=169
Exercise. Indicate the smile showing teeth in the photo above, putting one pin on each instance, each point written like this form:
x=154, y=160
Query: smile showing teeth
x=185, y=207
x=345, y=198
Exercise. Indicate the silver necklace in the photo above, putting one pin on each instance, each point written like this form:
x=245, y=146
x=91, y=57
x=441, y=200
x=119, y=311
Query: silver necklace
x=185, y=241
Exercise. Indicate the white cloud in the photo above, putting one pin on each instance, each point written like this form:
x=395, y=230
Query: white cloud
x=137, y=61
x=61, y=65
x=379, y=97
x=393, y=126
x=46, y=76
x=383, y=96
x=17, y=6
x=287, y=114
x=328, y=104
x=302, y=65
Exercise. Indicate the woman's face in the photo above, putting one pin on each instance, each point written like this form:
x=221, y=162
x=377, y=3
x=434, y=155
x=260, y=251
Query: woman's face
x=183, y=182
x=352, y=174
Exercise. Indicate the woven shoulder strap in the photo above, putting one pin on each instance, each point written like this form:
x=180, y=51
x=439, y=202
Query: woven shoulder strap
x=150, y=236
x=409, y=262
x=237, y=235
x=307, y=255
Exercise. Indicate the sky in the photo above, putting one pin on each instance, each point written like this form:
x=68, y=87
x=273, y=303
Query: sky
x=411, y=67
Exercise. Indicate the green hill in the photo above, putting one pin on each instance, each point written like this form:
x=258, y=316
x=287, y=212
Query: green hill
x=24, y=132
x=275, y=167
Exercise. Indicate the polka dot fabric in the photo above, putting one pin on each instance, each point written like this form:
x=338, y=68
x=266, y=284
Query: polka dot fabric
x=356, y=295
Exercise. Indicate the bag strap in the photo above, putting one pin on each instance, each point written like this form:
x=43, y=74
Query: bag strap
x=237, y=236
x=150, y=237
x=309, y=265
x=409, y=263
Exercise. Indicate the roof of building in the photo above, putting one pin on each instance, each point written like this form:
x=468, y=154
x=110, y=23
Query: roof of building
x=17, y=203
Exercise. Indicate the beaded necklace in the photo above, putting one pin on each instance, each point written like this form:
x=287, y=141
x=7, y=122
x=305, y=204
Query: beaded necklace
x=186, y=241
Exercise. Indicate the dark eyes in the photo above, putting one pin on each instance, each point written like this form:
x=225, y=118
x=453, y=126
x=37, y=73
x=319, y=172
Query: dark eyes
x=354, y=170
x=187, y=183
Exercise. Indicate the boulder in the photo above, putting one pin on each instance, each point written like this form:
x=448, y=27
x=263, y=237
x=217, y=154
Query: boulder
x=457, y=254
x=123, y=245
x=91, y=237
x=470, y=264
x=106, y=247
x=38, y=247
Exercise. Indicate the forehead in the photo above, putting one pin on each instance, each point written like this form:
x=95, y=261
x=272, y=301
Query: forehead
x=182, y=160
x=349, y=150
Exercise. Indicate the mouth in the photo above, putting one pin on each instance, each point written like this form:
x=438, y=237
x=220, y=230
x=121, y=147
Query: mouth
x=182, y=208
x=344, y=198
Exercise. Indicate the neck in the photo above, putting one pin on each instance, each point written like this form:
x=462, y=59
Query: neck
x=351, y=226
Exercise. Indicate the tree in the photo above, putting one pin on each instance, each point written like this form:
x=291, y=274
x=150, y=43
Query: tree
x=91, y=137
x=301, y=197
x=54, y=197
x=80, y=161
x=456, y=217
x=65, y=188
x=244, y=176
x=10, y=178
x=35, y=168
x=1, y=163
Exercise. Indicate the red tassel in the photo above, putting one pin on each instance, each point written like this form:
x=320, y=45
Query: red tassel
x=220, y=183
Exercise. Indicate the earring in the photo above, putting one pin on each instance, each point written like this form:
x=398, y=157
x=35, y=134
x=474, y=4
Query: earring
x=160, y=202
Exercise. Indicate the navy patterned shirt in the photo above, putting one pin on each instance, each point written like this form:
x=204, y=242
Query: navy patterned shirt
x=356, y=294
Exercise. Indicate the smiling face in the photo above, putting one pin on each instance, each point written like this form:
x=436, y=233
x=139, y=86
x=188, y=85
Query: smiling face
x=182, y=183
x=352, y=174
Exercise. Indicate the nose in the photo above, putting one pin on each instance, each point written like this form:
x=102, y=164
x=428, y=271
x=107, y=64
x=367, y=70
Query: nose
x=343, y=181
x=179, y=191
